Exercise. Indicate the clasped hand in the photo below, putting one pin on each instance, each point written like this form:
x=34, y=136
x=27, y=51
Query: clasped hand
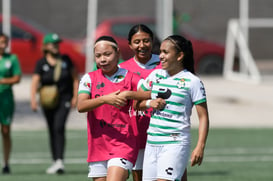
x=117, y=99
x=158, y=103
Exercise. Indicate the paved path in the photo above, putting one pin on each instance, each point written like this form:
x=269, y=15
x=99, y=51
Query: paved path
x=231, y=104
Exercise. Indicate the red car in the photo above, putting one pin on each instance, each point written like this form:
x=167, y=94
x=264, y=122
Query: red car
x=208, y=55
x=27, y=40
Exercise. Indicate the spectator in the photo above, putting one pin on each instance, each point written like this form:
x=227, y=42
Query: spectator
x=55, y=73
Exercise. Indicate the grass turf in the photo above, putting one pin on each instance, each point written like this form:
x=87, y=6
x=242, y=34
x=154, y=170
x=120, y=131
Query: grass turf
x=230, y=155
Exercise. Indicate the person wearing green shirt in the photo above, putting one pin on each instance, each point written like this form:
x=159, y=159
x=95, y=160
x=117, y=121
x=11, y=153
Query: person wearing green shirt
x=10, y=73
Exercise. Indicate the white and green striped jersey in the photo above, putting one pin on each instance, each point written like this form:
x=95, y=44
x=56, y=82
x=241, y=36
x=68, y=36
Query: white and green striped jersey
x=181, y=92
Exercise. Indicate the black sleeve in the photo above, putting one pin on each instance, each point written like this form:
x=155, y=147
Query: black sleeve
x=38, y=67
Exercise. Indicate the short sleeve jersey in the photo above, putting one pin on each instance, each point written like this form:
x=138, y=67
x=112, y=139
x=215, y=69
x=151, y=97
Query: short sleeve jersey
x=46, y=72
x=181, y=92
x=9, y=67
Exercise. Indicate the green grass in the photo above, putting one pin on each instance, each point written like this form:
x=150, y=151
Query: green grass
x=230, y=155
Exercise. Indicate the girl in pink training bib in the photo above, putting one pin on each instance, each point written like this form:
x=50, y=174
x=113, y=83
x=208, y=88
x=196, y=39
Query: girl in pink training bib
x=106, y=95
x=141, y=41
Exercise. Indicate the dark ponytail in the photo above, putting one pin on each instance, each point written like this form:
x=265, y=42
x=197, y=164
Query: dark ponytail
x=181, y=44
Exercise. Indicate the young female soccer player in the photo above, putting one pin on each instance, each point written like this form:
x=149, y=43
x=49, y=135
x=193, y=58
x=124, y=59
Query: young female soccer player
x=106, y=95
x=140, y=39
x=175, y=90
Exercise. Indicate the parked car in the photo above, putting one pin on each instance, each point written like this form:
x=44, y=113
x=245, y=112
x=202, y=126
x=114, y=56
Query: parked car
x=26, y=42
x=208, y=55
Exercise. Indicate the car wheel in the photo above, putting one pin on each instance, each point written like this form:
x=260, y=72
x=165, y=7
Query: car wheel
x=210, y=65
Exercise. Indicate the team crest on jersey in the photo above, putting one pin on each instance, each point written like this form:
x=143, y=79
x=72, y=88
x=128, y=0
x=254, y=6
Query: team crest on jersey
x=45, y=67
x=100, y=85
x=8, y=64
x=181, y=83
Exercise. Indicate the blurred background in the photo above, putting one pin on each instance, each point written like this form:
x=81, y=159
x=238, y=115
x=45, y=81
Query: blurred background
x=200, y=19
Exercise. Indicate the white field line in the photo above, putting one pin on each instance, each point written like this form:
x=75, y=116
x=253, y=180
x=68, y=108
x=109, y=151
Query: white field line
x=47, y=161
x=238, y=151
x=213, y=159
x=211, y=155
x=238, y=159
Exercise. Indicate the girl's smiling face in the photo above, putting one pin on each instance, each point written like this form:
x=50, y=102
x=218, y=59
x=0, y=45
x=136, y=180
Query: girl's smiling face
x=171, y=59
x=141, y=43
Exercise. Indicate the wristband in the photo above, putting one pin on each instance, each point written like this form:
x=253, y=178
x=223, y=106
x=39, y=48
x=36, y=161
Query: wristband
x=148, y=102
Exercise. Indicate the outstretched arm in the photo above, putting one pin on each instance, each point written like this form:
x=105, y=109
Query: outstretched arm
x=136, y=95
x=198, y=152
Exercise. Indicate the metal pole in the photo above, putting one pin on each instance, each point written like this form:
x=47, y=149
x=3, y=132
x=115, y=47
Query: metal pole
x=244, y=17
x=90, y=34
x=243, y=20
x=6, y=21
x=164, y=18
x=159, y=19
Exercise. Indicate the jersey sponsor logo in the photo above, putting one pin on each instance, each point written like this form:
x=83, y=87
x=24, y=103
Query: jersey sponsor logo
x=169, y=171
x=175, y=136
x=159, y=113
x=164, y=95
x=123, y=161
x=103, y=124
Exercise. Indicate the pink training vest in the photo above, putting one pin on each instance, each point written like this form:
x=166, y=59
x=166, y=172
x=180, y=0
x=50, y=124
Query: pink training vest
x=142, y=121
x=110, y=130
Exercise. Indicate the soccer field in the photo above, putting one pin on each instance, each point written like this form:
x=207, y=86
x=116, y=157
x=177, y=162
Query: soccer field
x=230, y=155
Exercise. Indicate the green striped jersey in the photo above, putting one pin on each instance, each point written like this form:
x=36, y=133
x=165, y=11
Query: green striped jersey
x=181, y=92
